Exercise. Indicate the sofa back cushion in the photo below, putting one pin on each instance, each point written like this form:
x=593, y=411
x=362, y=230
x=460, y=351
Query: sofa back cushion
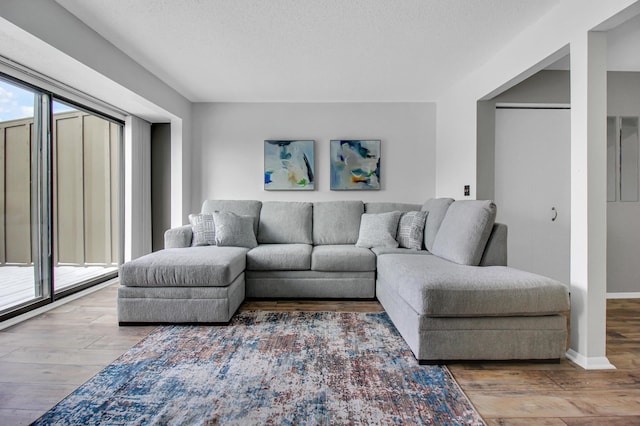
x=285, y=222
x=379, y=207
x=239, y=207
x=437, y=208
x=495, y=253
x=464, y=231
x=336, y=222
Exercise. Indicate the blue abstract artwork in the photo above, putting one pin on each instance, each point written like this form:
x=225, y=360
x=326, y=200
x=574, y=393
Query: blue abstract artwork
x=289, y=165
x=355, y=164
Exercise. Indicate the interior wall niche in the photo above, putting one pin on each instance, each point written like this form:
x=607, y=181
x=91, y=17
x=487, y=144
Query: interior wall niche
x=623, y=155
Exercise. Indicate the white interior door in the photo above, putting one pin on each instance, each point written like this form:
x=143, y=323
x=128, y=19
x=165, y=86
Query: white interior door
x=532, y=187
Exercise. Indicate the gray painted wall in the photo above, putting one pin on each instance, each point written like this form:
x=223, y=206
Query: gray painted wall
x=228, y=147
x=160, y=183
x=544, y=87
x=623, y=218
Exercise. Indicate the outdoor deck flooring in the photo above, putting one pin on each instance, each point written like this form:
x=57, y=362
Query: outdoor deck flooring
x=17, y=286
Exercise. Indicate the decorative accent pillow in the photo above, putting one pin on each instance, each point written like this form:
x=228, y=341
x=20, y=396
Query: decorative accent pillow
x=378, y=230
x=411, y=229
x=204, y=229
x=234, y=230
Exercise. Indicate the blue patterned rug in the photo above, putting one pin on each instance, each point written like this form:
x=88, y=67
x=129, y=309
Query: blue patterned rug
x=270, y=368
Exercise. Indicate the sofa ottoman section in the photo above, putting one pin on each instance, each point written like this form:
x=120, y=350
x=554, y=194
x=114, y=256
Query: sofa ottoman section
x=438, y=288
x=175, y=305
x=447, y=311
x=198, y=284
x=206, y=266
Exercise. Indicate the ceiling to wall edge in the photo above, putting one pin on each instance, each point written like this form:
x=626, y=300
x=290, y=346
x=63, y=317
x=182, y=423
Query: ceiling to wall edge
x=609, y=24
x=544, y=63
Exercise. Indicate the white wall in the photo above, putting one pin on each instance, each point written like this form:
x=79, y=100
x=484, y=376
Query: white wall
x=228, y=147
x=567, y=27
x=45, y=37
x=536, y=47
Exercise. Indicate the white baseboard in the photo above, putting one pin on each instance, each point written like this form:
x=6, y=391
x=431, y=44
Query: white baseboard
x=623, y=295
x=590, y=363
x=27, y=315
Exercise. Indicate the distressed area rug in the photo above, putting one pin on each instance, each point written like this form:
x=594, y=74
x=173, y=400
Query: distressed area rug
x=270, y=368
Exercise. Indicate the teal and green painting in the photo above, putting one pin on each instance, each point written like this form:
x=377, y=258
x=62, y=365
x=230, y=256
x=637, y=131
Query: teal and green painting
x=289, y=165
x=355, y=164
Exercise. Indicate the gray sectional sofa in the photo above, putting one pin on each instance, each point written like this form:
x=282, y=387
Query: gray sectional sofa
x=451, y=296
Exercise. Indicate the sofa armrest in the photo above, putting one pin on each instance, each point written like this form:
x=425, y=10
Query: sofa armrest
x=178, y=237
x=495, y=252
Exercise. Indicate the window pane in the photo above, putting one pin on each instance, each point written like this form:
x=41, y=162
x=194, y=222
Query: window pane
x=629, y=159
x=612, y=143
x=86, y=152
x=17, y=278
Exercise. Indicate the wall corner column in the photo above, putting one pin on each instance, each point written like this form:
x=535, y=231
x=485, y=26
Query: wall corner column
x=588, y=201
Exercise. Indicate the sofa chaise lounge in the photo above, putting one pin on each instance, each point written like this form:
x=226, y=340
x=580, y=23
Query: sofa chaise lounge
x=451, y=295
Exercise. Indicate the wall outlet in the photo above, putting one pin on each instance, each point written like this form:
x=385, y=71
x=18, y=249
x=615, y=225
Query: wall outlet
x=467, y=190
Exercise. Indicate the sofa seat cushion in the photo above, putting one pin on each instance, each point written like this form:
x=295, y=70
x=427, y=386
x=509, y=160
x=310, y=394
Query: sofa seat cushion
x=185, y=267
x=279, y=257
x=342, y=258
x=436, y=287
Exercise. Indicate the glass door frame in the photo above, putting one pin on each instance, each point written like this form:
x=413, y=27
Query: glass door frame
x=42, y=198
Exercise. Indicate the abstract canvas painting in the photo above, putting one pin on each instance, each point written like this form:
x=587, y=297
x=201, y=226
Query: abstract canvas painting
x=355, y=164
x=289, y=165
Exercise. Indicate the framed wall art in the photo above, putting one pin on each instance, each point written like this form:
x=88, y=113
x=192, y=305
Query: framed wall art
x=289, y=165
x=355, y=165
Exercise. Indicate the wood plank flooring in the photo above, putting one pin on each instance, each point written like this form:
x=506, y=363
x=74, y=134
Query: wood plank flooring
x=45, y=358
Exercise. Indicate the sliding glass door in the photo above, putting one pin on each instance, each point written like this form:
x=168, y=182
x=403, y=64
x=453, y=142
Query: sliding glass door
x=85, y=174
x=23, y=270
x=59, y=210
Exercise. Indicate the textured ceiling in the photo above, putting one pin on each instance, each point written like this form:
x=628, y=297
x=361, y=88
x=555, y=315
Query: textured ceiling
x=309, y=50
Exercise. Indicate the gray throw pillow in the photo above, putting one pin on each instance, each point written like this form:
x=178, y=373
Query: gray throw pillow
x=378, y=230
x=411, y=230
x=204, y=229
x=234, y=230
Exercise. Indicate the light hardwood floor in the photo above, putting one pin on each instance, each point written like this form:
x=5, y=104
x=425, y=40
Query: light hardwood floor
x=45, y=358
